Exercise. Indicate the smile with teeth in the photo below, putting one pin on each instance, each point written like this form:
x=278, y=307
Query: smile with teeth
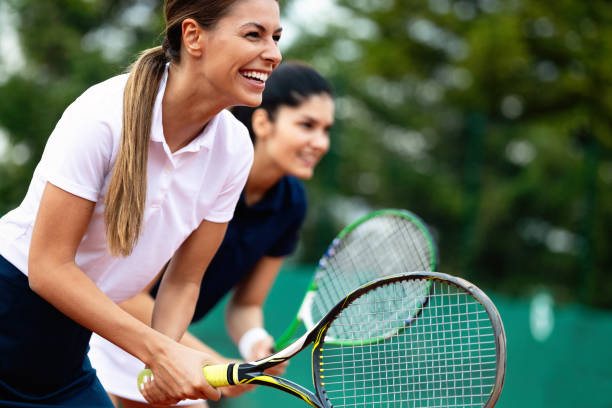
x=256, y=75
x=310, y=159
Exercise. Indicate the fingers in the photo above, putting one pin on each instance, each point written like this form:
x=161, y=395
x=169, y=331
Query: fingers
x=236, y=390
x=155, y=391
x=209, y=391
x=158, y=392
x=278, y=369
x=262, y=348
x=176, y=379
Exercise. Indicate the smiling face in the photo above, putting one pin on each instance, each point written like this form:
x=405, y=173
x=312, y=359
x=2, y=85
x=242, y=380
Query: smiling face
x=298, y=137
x=240, y=52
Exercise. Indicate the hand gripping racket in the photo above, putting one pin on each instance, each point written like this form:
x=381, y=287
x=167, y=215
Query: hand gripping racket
x=379, y=244
x=452, y=354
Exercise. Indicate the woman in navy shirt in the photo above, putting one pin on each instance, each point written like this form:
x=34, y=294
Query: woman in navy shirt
x=290, y=131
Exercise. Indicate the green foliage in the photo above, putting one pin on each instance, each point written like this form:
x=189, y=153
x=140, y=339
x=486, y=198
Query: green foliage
x=488, y=118
x=63, y=43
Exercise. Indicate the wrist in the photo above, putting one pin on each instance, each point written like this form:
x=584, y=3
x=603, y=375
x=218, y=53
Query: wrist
x=156, y=345
x=248, y=340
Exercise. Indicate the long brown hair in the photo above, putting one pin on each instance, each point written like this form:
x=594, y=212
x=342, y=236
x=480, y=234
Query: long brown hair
x=127, y=192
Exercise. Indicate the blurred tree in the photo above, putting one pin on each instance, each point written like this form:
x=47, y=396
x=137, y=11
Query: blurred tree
x=466, y=112
x=68, y=45
x=488, y=118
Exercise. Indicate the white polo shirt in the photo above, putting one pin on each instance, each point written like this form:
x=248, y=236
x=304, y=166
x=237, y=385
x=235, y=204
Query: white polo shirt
x=201, y=181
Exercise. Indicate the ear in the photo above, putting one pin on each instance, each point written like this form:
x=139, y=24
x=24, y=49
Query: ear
x=192, y=37
x=261, y=124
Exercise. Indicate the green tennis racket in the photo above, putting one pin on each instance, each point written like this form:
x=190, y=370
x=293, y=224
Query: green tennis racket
x=448, y=352
x=382, y=243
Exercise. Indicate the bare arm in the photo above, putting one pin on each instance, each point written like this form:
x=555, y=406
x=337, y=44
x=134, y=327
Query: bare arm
x=180, y=284
x=141, y=306
x=175, y=304
x=53, y=274
x=244, y=310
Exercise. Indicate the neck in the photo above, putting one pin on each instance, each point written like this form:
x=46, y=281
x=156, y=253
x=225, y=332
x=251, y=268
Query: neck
x=185, y=109
x=262, y=177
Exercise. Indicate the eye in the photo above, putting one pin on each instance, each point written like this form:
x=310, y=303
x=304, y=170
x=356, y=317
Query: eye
x=306, y=125
x=252, y=34
x=276, y=38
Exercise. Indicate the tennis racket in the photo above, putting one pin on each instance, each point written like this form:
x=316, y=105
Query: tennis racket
x=381, y=243
x=452, y=354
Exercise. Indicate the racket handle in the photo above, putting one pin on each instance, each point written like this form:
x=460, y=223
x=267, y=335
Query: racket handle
x=218, y=375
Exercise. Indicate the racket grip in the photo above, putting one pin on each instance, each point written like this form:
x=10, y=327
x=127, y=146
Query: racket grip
x=217, y=375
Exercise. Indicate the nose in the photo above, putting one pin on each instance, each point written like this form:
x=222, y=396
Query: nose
x=272, y=53
x=320, y=141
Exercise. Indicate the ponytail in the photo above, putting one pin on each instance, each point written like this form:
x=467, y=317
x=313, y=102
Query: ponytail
x=127, y=192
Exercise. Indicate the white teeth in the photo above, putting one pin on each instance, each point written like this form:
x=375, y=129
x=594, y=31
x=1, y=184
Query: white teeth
x=308, y=157
x=257, y=75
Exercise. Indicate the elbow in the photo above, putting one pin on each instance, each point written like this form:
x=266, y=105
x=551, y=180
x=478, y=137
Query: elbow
x=36, y=274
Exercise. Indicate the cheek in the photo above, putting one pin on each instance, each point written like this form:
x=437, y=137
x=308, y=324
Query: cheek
x=294, y=146
x=289, y=139
x=325, y=145
x=286, y=151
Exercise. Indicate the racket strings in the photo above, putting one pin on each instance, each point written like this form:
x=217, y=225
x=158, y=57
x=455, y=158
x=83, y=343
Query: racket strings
x=376, y=319
x=375, y=240
x=381, y=246
x=444, y=356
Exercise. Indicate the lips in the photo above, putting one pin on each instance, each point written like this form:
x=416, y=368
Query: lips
x=258, y=76
x=310, y=159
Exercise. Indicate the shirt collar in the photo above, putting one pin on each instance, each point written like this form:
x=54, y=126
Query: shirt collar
x=271, y=201
x=203, y=141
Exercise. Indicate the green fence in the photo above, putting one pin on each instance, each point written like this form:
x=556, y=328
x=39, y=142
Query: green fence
x=558, y=357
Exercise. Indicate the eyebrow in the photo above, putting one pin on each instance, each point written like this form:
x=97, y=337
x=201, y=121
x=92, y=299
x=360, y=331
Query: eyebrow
x=260, y=27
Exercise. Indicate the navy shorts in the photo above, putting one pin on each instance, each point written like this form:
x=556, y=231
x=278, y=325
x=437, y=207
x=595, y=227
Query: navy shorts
x=43, y=352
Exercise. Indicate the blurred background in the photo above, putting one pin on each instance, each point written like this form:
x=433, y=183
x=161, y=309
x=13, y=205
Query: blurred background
x=490, y=119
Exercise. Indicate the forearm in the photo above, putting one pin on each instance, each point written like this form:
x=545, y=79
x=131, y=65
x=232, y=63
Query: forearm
x=244, y=314
x=240, y=318
x=193, y=342
x=67, y=288
x=174, y=307
x=180, y=285
x=140, y=306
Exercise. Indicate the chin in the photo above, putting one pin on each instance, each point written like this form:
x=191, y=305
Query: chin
x=252, y=100
x=304, y=174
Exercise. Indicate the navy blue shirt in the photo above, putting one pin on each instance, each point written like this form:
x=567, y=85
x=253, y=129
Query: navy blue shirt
x=268, y=228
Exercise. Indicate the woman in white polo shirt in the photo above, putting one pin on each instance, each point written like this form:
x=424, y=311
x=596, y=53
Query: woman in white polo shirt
x=141, y=169
x=290, y=131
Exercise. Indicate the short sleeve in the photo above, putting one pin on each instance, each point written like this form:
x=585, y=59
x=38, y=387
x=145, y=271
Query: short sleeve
x=78, y=154
x=225, y=203
x=287, y=242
